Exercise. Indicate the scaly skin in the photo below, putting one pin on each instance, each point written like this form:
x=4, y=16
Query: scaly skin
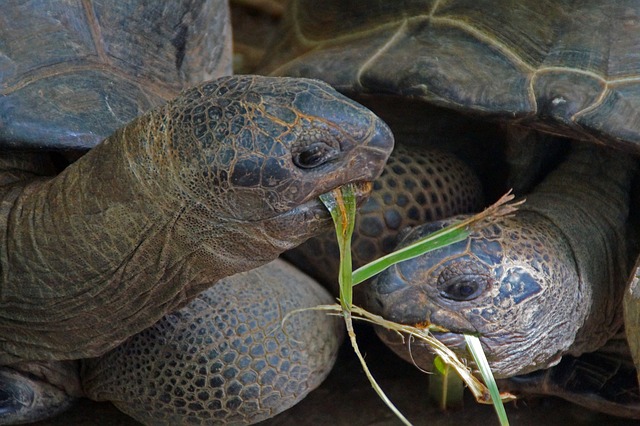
x=536, y=286
x=604, y=381
x=209, y=185
x=226, y=357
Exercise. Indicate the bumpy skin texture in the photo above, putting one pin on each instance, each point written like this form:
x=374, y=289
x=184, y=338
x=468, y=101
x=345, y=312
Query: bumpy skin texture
x=226, y=357
x=604, y=380
x=220, y=180
x=74, y=71
x=417, y=185
x=537, y=63
x=534, y=287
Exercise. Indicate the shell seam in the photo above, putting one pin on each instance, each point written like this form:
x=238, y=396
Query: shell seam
x=380, y=51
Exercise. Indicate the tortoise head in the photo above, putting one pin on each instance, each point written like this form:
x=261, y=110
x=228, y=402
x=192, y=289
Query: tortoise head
x=256, y=149
x=514, y=284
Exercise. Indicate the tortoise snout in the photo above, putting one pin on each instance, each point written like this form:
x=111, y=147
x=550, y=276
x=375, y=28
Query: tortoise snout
x=382, y=137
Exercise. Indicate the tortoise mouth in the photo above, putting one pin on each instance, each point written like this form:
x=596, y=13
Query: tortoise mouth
x=315, y=210
x=361, y=190
x=454, y=341
x=419, y=352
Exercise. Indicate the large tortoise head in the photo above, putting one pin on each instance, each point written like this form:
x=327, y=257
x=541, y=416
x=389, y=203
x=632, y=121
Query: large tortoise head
x=500, y=284
x=252, y=148
x=220, y=180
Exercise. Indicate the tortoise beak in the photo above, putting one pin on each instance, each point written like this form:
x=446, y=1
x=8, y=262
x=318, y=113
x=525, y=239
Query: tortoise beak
x=366, y=161
x=417, y=351
x=382, y=138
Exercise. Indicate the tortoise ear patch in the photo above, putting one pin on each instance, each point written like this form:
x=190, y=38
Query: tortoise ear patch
x=519, y=285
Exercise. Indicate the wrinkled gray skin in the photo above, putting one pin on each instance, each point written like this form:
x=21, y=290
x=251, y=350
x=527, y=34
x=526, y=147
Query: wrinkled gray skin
x=220, y=180
x=529, y=286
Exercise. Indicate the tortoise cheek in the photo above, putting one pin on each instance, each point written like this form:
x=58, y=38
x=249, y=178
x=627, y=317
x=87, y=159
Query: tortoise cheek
x=246, y=172
x=519, y=285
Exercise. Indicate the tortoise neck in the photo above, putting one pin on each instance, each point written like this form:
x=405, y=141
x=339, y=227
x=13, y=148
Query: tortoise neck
x=99, y=234
x=587, y=198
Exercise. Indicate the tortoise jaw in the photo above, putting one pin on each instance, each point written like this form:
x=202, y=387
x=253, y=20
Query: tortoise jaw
x=313, y=211
x=421, y=354
x=417, y=351
x=361, y=191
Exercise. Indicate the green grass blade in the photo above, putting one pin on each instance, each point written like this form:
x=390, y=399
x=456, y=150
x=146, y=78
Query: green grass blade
x=343, y=212
x=342, y=205
x=449, y=235
x=446, y=387
x=473, y=343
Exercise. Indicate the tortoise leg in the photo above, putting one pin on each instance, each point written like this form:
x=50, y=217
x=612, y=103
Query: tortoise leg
x=227, y=356
x=599, y=381
x=34, y=391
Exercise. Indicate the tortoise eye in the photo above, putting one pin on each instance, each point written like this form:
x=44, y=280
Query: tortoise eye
x=314, y=155
x=461, y=288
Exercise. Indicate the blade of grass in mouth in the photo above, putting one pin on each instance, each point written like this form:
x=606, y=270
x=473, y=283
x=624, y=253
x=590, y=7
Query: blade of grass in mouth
x=341, y=203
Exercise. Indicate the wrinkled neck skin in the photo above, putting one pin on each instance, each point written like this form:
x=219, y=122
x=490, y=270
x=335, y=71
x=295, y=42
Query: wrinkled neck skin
x=114, y=233
x=587, y=199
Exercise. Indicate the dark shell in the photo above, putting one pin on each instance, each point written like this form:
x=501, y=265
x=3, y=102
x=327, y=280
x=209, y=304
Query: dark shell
x=73, y=72
x=565, y=67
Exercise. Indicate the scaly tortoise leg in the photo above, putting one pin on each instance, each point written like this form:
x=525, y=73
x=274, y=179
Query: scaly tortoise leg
x=37, y=390
x=225, y=357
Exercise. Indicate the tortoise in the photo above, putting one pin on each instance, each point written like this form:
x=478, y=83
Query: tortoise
x=181, y=186
x=562, y=73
